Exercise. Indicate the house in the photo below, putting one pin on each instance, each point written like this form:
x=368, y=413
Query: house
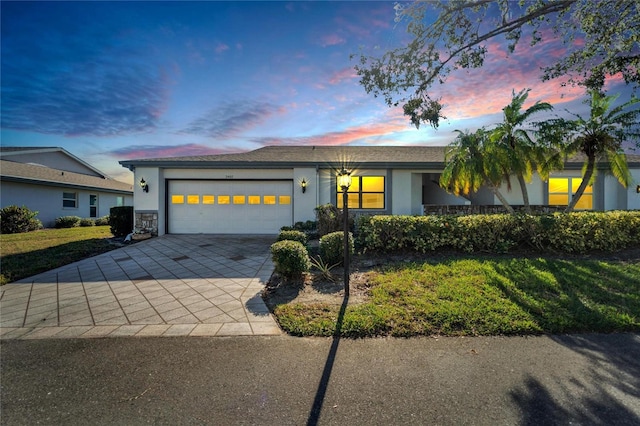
x=55, y=183
x=260, y=191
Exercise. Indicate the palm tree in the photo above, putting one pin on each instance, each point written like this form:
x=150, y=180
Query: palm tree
x=600, y=138
x=471, y=162
x=521, y=152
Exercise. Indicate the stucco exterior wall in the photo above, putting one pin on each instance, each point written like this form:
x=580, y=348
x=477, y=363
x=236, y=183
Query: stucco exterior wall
x=304, y=203
x=47, y=200
x=632, y=196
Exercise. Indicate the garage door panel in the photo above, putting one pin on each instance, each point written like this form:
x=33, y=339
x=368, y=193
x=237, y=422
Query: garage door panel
x=237, y=207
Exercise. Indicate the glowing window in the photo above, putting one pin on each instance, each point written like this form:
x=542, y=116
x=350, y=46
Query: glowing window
x=269, y=199
x=365, y=192
x=284, y=199
x=224, y=199
x=177, y=199
x=193, y=199
x=559, y=194
x=208, y=199
x=239, y=199
x=254, y=199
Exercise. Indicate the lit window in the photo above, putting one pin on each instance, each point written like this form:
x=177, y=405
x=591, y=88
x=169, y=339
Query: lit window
x=177, y=199
x=208, y=199
x=239, y=199
x=365, y=192
x=284, y=199
x=193, y=199
x=254, y=199
x=224, y=199
x=559, y=194
x=269, y=199
x=119, y=201
x=69, y=200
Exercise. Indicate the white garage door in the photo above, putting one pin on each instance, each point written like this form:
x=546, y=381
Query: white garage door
x=229, y=207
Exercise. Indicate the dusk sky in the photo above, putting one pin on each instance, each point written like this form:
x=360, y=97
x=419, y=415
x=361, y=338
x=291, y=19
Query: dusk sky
x=111, y=81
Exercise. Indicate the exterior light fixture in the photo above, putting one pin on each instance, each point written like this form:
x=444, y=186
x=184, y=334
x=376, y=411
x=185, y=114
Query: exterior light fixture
x=303, y=185
x=344, y=182
x=638, y=189
x=144, y=185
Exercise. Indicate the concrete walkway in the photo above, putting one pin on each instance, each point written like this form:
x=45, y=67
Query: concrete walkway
x=174, y=285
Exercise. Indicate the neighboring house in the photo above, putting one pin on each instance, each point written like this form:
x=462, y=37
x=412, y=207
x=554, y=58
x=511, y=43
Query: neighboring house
x=55, y=183
x=260, y=191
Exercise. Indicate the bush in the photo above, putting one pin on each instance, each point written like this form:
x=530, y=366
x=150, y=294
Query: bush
x=121, y=220
x=67, y=222
x=290, y=258
x=298, y=236
x=329, y=219
x=102, y=221
x=14, y=220
x=331, y=247
x=87, y=222
x=577, y=232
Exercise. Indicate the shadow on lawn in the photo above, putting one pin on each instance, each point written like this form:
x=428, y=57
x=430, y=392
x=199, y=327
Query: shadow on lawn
x=566, y=296
x=316, y=408
x=606, y=393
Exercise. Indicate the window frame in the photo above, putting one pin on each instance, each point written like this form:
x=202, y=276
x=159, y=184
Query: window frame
x=74, y=199
x=357, y=183
x=570, y=192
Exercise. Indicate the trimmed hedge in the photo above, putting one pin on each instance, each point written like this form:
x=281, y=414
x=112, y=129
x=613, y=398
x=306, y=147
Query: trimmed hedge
x=293, y=235
x=577, y=232
x=331, y=247
x=290, y=258
x=67, y=222
x=14, y=220
x=121, y=220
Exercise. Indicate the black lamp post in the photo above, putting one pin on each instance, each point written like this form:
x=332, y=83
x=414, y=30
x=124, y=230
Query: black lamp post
x=344, y=182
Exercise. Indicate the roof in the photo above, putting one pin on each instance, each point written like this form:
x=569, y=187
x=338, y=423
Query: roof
x=7, y=151
x=321, y=156
x=31, y=173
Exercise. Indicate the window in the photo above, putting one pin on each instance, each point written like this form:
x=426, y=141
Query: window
x=239, y=199
x=93, y=205
x=559, y=194
x=69, y=200
x=119, y=201
x=224, y=199
x=254, y=199
x=177, y=199
x=365, y=192
x=193, y=199
x=284, y=199
x=270, y=199
x=208, y=199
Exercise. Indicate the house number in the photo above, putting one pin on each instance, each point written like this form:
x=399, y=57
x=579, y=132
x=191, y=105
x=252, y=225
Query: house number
x=229, y=176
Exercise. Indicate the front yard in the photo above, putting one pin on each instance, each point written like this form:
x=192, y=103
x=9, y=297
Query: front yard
x=466, y=295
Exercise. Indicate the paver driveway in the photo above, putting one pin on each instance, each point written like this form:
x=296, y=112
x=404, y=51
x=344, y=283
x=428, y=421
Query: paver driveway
x=174, y=285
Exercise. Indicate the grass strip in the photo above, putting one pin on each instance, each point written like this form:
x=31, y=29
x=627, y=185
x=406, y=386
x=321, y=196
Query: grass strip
x=30, y=253
x=488, y=296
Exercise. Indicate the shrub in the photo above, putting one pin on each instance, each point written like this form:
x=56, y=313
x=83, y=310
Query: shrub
x=332, y=247
x=121, y=220
x=292, y=235
x=67, y=222
x=290, y=258
x=577, y=232
x=102, y=221
x=87, y=222
x=14, y=220
x=329, y=219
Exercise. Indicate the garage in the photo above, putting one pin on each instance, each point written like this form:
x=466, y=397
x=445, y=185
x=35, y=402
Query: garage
x=229, y=207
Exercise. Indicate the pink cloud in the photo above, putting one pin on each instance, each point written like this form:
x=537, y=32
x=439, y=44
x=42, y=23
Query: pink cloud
x=331, y=40
x=221, y=47
x=342, y=75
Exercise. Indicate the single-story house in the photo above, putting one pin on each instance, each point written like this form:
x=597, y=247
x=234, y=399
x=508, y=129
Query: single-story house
x=56, y=183
x=260, y=191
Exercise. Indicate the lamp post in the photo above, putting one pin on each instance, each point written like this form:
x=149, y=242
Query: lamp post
x=344, y=181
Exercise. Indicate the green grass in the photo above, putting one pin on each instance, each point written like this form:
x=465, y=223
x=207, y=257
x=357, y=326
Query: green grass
x=27, y=254
x=488, y=296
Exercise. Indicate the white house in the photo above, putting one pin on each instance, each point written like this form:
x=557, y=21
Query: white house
x=258, y=192
x=55, y=183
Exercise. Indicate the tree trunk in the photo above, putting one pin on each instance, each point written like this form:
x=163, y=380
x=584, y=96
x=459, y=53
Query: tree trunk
x=525, y=193
x=585, y=182
x=504, y=202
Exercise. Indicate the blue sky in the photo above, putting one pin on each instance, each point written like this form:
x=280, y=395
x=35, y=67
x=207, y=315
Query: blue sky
x=110, y=81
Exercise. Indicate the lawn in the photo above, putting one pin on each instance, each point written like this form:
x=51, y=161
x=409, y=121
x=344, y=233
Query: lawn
x=27, y=254
x=480, y=296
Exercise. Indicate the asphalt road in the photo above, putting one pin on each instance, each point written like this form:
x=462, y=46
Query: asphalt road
x=579, y=379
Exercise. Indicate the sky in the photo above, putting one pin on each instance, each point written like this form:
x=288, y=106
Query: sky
x=112, y=81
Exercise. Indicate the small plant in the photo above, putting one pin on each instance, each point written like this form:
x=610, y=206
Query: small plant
x=323, y=267
x=67, y=222
x=290, y=258
x=292, y=235
x=332, y=247
x=102, y=221
x=87, y=222
x=14, y=220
